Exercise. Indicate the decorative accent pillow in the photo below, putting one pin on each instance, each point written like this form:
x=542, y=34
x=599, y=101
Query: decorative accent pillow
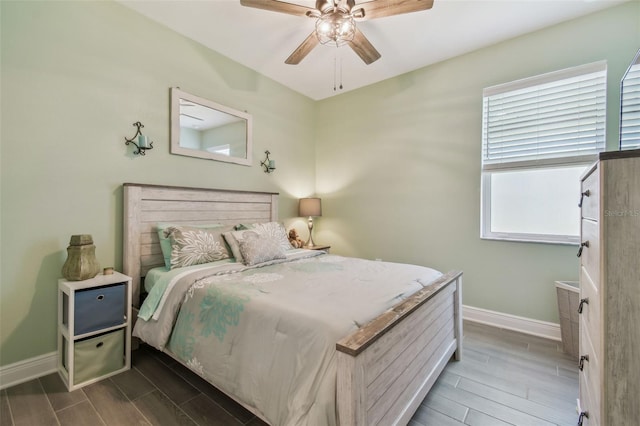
x=232, y=242
x=275, y=230
x=258, y=248
x=193, y=246
x=165, y=242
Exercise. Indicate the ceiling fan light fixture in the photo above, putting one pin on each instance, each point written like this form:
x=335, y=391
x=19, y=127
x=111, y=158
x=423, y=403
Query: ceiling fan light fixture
x=335, y=28
x=335, y=22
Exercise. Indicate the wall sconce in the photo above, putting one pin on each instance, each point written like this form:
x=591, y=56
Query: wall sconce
x=143, y=142
x=269, y=165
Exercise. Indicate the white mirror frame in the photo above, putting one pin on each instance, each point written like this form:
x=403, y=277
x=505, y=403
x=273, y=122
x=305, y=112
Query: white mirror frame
x=176, y=148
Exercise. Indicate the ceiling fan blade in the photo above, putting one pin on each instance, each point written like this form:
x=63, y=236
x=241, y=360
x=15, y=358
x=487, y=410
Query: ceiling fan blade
x=303, y=50
x=279, y=6
x=364, y=48
x=380, y=8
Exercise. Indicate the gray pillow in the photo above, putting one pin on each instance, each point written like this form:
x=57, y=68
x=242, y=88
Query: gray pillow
x=275, y=230
x=232, y=242
x=259, y=248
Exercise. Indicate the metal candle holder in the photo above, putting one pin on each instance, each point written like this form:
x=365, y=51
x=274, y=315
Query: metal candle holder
x=269, y=165
x=142, y=140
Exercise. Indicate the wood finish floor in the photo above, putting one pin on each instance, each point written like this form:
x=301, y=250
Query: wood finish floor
x=504, y=378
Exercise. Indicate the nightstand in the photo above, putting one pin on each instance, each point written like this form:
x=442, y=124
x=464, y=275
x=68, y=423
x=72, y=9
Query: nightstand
x=94, y=328
x=318, y=247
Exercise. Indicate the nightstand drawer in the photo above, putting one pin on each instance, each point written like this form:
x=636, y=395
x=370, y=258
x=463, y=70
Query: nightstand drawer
x=98, y=308
x=96, y=356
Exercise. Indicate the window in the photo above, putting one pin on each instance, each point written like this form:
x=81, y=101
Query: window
x=538, y=136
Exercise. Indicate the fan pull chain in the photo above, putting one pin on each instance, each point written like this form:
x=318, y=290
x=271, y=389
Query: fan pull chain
x=335, y=70
x=340, y=72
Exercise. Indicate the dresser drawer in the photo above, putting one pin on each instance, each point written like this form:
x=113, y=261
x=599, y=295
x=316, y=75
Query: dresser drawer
x=591, y=196
x=586, y=405
x=590, y=375
x=590, y=317
x=97, y=308
x=590, y=256
x=96, y=356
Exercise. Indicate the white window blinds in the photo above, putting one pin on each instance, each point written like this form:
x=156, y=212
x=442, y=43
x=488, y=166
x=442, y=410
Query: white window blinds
x=553, y=118
x=630, y=107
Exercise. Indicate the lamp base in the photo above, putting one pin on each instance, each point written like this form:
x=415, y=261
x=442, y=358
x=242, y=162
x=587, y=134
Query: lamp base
x=310, y=243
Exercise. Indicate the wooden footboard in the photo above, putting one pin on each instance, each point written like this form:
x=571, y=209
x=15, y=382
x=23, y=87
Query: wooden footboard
x=386, y=368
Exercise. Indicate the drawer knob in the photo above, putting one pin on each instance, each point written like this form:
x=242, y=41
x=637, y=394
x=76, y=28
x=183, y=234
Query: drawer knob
x=582, y=416
x=583, y=302
x=99, y=345
x=582, y=195
x=100, y=297
x=582, y=245
x=583, y=358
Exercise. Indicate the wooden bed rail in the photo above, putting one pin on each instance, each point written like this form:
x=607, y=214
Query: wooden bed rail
x=376, y=328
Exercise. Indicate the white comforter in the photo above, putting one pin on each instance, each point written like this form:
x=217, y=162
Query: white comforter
x=267, y=335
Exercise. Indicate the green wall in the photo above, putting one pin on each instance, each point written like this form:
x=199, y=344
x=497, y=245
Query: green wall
x=75, y=76
x=398, y=163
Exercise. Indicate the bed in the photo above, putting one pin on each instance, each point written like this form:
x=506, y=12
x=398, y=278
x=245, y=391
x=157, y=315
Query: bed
x=381, y=369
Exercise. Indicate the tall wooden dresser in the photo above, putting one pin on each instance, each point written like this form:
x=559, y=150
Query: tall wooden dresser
x=610, y=291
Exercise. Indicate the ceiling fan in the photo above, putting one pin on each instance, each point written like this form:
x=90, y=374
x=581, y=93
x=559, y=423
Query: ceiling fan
x=335, y=22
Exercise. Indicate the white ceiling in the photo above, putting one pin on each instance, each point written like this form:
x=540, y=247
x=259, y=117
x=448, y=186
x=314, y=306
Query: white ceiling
x=262, y=40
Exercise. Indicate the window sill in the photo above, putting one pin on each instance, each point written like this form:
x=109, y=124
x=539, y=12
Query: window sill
x=569, y=241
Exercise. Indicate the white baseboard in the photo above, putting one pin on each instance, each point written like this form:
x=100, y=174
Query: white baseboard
x=534, y=327
x=32, y=368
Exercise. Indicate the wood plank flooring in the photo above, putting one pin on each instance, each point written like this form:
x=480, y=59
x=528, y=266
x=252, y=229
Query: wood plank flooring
x=504, y=378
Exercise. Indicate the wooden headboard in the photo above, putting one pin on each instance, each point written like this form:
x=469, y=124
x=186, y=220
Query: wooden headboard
x=146, y=205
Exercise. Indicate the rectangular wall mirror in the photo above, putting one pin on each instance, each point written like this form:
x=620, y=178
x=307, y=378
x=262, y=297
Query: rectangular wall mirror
x=204, y=129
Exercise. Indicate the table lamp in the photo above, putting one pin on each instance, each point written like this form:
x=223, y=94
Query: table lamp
x=310, y=207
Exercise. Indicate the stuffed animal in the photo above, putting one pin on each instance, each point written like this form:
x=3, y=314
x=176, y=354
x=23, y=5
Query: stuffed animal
x=294, y=239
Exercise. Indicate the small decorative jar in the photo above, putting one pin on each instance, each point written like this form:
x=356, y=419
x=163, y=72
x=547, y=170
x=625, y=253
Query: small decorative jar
x=81, y=261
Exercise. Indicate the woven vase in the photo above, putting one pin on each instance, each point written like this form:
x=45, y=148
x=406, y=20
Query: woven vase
x=81, y=261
